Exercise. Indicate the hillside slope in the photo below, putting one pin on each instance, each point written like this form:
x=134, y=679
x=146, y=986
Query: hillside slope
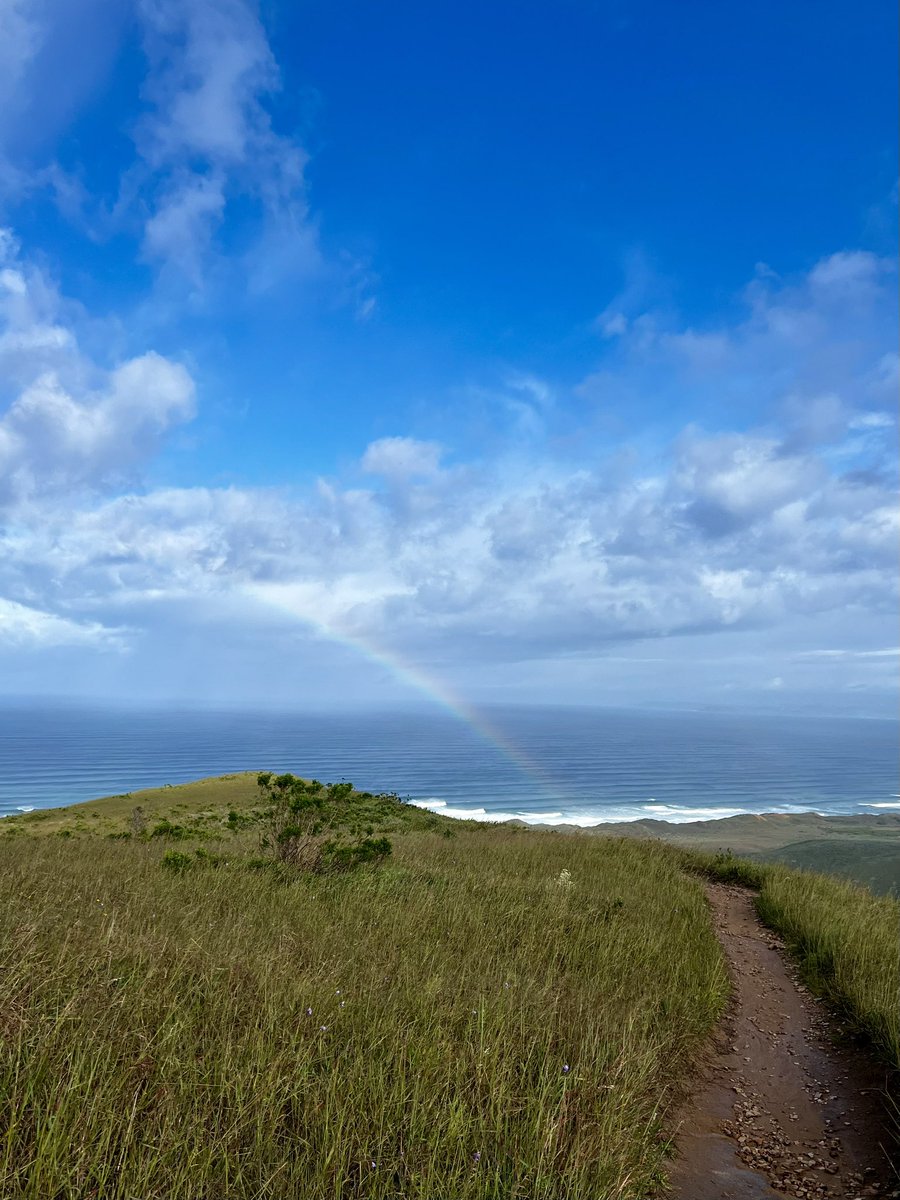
x=486, y=1013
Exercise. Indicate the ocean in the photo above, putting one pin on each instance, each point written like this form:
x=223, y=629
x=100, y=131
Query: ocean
x=580, y=766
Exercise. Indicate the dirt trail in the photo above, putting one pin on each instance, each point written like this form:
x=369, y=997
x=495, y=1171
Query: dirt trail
x=781, y=1111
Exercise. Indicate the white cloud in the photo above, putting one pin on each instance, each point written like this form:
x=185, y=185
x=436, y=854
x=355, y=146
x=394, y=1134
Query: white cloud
x=22, y=627
x=733, y=479
x=70, y=423
x=813, y=346
x=624, y=312
x=760, y=534
x=181, y=228
x=208, y=139
x=401, y=457
x=543, y=566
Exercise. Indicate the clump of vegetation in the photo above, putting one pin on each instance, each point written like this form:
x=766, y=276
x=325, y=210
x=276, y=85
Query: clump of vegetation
x=443, y=1027
x=316, y=829
x=166, y=829
x=177, y=862
x=726, y=867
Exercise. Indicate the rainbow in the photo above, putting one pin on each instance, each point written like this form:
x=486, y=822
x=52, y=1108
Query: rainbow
x=295, y=602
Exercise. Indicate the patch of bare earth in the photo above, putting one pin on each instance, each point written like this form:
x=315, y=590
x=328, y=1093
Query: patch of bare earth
x=782, y=1110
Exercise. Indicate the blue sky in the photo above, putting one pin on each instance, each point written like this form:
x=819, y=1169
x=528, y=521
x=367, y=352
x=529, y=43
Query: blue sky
x=546, y=352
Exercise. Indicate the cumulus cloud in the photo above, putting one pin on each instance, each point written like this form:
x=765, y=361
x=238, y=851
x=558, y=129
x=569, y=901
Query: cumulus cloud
x=731, y=480
x=721, y=534
x=70, y=423
x=536, y=567
x=808, y=352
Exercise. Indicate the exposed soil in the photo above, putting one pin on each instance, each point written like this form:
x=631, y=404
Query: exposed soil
x=782, y=1109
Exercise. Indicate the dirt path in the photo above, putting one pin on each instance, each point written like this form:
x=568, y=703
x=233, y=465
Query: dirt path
x=781, y=1111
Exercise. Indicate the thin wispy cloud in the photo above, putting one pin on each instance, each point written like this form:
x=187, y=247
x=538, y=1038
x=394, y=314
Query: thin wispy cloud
x=207, y=141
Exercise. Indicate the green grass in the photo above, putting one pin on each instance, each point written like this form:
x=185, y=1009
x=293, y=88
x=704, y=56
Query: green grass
x=482, y=1025
x=494, y=1013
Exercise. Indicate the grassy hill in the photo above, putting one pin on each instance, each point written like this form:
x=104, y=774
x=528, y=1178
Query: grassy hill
x=481, y=1012
x=487, y=1013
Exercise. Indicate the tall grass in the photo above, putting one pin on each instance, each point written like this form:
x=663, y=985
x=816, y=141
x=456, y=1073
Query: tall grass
x=468, y=1022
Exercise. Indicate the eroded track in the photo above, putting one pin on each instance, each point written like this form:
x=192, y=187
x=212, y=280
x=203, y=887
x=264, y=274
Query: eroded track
x=781, y=1110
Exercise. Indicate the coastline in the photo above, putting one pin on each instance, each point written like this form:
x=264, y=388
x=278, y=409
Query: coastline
x=863, y=847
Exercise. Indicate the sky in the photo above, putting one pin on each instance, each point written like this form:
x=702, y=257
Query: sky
x=396, y=354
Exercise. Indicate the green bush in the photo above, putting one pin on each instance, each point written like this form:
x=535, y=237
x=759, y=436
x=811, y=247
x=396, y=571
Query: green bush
x=166, y=829
x=175, y=861
x=315, y=829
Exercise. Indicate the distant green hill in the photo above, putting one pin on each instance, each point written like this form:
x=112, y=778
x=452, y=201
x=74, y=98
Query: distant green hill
x=865, y=860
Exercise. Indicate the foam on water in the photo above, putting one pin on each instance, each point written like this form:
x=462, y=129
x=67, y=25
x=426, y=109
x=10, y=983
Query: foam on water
x=586, y=818
x=672, y=812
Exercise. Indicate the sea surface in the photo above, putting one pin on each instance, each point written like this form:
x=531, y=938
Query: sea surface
x=540, y=765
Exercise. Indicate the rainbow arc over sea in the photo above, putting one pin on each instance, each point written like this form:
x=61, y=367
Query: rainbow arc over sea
x=290, y=600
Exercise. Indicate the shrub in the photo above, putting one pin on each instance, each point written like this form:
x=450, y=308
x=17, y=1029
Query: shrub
x=306, y=826
x=176, y=862
x=208, y=859
x=166, y=829
x=345, y=856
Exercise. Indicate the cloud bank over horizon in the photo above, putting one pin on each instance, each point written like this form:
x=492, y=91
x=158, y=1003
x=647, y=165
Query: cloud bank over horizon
x=701, y=510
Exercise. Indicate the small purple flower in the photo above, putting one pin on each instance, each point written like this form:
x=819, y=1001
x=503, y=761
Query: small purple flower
x=566, y=1069
x=323, y=1028
x=476, y=1157
x=373, y=1164
x=309, y=1012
